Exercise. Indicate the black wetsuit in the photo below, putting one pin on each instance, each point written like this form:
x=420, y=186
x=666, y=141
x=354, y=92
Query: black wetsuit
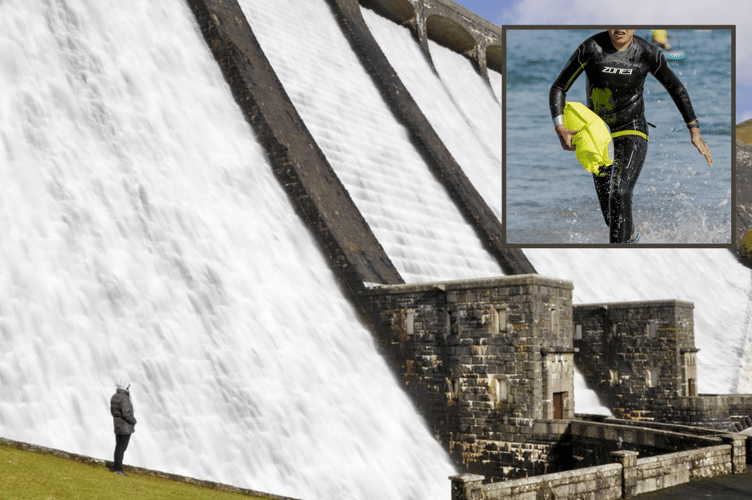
x=615, y=81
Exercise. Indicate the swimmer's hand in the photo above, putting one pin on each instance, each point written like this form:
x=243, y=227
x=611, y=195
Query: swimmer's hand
x=565, y=137
x=701, y=146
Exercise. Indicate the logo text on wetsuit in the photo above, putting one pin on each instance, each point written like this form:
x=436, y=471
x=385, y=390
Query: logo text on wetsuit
x=618, y=71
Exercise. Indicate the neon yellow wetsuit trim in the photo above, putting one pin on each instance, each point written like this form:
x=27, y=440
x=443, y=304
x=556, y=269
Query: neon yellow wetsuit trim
x=629, y=132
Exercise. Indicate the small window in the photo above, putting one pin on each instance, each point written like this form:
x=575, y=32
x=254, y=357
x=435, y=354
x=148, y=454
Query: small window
x=554, y=321
x=453, y=388
x=410, y=322
x=499, y=321
x=499, y=390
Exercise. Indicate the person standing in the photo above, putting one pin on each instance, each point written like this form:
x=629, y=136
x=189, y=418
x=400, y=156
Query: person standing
x=121, y=409
x=616, y=64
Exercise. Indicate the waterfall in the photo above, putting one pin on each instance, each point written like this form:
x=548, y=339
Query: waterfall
x=145, y=236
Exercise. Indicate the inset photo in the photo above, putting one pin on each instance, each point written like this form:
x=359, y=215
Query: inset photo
x=618, y=136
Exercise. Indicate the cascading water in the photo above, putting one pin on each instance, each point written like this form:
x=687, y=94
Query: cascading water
x=495, y=83
x=410, y=212
x=459, y=104
x=144, y=234
x=719, y=287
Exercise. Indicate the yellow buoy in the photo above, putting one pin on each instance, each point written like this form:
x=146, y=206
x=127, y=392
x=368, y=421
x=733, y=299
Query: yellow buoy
x=660, y=38
x=593, y=146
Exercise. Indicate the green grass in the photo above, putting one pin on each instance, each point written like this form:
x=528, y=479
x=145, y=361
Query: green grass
x=28, y=475
x=744, y=132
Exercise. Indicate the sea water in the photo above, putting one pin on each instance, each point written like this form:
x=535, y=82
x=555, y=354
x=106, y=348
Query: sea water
x=552, y=208
x=678, y=199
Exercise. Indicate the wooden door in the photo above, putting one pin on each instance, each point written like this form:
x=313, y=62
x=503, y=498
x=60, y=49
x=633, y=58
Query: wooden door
x=559, y=405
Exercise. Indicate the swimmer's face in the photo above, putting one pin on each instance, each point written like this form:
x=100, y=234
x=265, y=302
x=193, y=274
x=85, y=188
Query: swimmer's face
x=620, y=38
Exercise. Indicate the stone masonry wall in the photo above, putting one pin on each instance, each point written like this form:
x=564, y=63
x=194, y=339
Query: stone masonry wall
x=640, y=356
x=627, y=476
x=664, y=471
x=482, y=359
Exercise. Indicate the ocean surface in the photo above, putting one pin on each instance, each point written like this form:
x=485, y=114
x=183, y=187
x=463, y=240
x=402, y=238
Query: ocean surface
x=678, y=199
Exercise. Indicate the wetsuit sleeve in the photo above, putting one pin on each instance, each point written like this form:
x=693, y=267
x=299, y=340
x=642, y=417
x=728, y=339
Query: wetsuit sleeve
x=574, y=67
x=675, y=88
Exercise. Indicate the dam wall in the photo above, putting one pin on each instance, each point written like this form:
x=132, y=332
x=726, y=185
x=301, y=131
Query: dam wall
x=151, y=237
x=405, y=108
x=641, y=358
x=298, y=162
x=313, y=186
x=354, y=252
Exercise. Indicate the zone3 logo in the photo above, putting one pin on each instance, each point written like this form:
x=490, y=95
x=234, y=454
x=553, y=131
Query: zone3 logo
x=617, y=71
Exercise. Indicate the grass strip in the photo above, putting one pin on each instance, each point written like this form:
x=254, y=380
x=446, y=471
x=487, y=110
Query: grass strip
x=744, y=132
x=34, y=476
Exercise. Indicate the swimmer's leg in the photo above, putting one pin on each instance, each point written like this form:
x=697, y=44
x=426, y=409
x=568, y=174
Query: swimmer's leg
x=602, y=190
x=629, y=157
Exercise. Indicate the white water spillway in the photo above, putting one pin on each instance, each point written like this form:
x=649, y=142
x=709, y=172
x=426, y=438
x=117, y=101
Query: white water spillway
x=410, y=212
x=144, y=234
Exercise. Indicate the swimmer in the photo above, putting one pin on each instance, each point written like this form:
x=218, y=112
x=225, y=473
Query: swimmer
x=660, y=39
x=617, y=63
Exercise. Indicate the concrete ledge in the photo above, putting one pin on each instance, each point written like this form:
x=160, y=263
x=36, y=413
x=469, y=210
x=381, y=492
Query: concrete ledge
x=627, y=477
x=475, y=284
x=626, y=435
x=635, y=304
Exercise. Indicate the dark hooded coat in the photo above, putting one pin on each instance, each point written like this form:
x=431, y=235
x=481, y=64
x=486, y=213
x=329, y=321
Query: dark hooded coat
x=122, y=412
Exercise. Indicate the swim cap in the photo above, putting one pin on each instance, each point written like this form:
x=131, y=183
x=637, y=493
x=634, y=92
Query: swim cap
x=593, y=146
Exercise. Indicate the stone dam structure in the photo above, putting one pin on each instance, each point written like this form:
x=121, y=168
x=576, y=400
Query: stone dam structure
x=490, y=363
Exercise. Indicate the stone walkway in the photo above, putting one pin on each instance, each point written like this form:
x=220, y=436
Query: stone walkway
x=730, y=487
